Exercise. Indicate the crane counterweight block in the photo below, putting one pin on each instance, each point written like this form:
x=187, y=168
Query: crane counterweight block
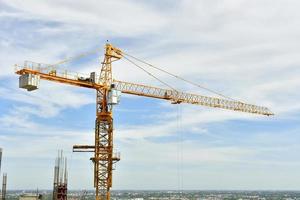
x=29, y=81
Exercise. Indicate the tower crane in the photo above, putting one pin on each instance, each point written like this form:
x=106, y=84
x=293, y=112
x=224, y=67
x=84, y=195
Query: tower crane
x=107, y=95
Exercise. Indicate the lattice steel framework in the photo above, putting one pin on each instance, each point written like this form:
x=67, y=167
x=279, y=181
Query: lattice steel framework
x=103, y=159
x=103, y=147
x=182, y=97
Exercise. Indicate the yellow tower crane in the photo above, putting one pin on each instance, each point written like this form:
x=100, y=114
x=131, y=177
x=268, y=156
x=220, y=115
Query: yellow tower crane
x=108, y=92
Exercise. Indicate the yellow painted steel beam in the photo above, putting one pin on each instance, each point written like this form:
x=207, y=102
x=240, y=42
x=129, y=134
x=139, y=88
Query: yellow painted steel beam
x=60, y=79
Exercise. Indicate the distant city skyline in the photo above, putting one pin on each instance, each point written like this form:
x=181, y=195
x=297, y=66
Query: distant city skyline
x=204, y=195
x=247, y=50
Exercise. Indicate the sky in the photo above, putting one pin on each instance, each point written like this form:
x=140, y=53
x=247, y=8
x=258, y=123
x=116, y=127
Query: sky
x=248, y=50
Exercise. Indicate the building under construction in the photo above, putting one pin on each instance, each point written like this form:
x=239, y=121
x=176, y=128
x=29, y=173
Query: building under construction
x=60, y=184
x=0, y=158
x=4, y=181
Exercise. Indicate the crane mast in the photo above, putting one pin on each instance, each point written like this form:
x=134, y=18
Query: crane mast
x=103, y=159
x=104, y=156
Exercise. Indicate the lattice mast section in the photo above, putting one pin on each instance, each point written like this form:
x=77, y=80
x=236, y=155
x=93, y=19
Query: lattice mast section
x=103, y=157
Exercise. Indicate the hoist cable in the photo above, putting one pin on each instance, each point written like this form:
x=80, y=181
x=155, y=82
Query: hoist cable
x=179, y=150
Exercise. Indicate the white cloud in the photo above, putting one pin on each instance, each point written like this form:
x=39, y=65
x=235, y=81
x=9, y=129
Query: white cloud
x=113, y=17
x=47, y=101
x=186, y=117
x=245, y=49
x=222, y=51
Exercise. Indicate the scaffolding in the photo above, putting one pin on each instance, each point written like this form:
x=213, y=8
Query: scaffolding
x=4, y=183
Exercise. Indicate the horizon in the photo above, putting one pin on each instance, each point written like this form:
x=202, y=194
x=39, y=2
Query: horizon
x=172, y=190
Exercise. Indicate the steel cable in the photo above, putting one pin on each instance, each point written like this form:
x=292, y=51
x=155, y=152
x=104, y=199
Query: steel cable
x=178, y=77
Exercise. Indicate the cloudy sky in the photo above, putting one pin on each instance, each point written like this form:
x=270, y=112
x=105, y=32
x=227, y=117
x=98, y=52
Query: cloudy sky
x=248, y=50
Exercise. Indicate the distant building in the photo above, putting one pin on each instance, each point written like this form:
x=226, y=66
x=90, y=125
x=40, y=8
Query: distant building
x=30, y=197
x=0, y=159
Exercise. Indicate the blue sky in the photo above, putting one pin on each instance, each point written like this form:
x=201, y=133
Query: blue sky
x=245, y=49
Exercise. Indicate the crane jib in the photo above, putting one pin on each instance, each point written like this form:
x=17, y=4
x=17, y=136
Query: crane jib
x=31, y=77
